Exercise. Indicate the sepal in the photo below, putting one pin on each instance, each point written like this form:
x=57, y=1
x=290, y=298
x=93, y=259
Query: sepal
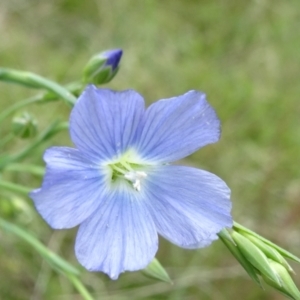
x=156, y=271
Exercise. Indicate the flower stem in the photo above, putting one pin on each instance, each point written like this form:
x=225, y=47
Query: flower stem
x=74, y=88
x=10, y=110
x=14, y=187
x=80, y=287
x=36, y=81
x=53, y=259
x=51, y=130
x=27, y=168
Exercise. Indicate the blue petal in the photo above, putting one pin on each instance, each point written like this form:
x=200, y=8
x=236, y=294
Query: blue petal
x=105, y=123
x=177, y=127
x=113, y=57
x=189, y=206
x=120, y=236
x=72, y=188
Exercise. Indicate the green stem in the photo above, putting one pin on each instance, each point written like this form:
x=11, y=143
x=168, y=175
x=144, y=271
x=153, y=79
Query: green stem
x=74, y=88
x=60, y=127
x=53, y=259
x=46, y=134
x=80, y=287
x=36, y=81
x=32, y=169
x=14, y=187
x=10, y=110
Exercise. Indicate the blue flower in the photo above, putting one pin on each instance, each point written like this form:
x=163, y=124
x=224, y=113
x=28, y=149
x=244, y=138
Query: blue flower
x=118, y=185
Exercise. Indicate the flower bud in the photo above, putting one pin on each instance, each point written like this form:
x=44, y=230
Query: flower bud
x=261, y=257
x=24, y=126
x=228, y=241
x=269, y=251
x=286, y=285
x=102, y=67
x=255, y=256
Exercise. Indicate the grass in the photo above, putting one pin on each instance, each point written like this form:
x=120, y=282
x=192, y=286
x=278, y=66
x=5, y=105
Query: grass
x=243, y=54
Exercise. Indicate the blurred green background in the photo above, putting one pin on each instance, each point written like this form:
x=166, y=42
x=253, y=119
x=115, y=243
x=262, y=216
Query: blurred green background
x=245, y=55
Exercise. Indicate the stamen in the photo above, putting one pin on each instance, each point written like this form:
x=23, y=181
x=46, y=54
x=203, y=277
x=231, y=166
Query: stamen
x=120, y=170
x=135, y=177
x=126, y=165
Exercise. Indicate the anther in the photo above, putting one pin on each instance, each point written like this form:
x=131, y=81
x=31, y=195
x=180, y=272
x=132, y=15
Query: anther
x=135, y=177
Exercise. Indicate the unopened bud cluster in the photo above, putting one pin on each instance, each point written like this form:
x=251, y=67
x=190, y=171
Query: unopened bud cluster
x=262, y=259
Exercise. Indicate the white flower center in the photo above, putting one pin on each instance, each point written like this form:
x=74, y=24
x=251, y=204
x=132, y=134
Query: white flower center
x=135, y=177
x=129, y=169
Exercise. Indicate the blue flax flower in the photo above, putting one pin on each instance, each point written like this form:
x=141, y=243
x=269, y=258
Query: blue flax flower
x=118, y=185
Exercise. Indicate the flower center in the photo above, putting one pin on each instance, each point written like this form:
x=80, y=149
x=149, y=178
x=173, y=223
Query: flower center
x=124, y=168
x=135, y=177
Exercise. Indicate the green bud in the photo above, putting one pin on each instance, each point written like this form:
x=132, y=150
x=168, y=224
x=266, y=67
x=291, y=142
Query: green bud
x=286, y=285
x=241, y=229
x=255, y=256
x=102, y=67
x=226, y=238
x=24, y=126
x=156, y=270
x=260, y=256
x=269, y=251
